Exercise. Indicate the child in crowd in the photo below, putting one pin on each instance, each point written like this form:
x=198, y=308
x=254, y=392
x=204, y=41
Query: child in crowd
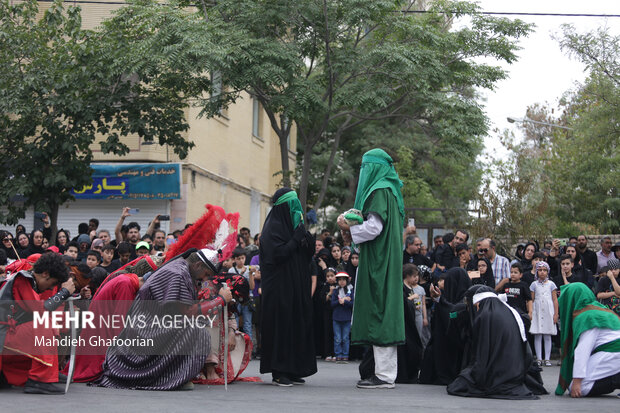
x=72, y=250
x=544, y=313
x=240, y=268
x=342, y=305
x=124, y=250
x=416, y=294
x=93, y=259
x=351, y=266
x=517, y=292
x=326, y=298
x=107, y=259
x=528, y=276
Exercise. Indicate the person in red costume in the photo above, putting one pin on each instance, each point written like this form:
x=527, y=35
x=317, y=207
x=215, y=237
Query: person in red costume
x=23, y=362
x=113, y=298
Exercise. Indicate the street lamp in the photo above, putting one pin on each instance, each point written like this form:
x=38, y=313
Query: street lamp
x=510, y=119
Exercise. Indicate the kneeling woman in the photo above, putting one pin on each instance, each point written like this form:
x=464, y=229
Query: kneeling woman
x=500, y=357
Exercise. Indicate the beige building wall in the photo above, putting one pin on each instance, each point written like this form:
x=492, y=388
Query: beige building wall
x=229, y=166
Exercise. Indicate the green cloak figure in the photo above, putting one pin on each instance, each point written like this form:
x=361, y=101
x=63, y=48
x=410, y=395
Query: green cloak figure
x=378, y=317
x=580, y=312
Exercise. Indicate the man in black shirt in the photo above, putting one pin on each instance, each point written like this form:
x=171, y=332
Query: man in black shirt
x=445, y=257
x=411, y=254
x=588, y=257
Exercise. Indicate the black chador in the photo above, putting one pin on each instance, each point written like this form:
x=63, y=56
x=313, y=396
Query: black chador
x=499, y=356
x=287, y=337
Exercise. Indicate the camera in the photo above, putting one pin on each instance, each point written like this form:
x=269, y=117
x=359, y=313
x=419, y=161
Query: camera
x=163, y=217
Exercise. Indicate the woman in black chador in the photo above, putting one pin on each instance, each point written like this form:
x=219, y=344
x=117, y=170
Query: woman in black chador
x=287, y=337
x=443, y=357
x=499, y=356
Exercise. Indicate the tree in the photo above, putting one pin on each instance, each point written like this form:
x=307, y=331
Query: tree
x=586, y=161
x=62, y=87
x=515, y=197
x=330, y=67
x=563, y=181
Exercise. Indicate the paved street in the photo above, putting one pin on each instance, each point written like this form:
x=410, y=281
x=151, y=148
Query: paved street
x=332, y=389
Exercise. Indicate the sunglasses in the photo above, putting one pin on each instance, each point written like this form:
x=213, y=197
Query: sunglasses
x=483, y=250
x=7, y=239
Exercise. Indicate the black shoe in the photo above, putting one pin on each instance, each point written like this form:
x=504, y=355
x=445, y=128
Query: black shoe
x=37, y=387
x=3, y=383
x=282, y=381
x=297, y=380
x=62, y=378
x=374, y=383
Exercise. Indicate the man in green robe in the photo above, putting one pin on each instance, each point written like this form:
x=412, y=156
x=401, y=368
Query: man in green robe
x=590, y=336
x=378, y=317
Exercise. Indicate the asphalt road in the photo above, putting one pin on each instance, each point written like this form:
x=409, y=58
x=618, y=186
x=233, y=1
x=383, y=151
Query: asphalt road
x=332, y=389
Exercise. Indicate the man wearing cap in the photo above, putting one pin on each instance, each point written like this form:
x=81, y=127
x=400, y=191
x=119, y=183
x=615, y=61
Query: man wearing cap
x=177, y=354
x=378, y=318
x=143, y=248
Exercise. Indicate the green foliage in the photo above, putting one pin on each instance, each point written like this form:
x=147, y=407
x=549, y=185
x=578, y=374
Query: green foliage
x=563, y=181
x=515, y=194
x=334, y=66
x=61, y=87
x=587, y=160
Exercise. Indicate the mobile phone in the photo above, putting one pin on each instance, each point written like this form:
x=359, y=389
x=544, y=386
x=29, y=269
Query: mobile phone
x=411, y=222
x=473, y=274
x=163, y=217
x=134, y=210
x=562, y=243
x=39, y=215
x=171, y=241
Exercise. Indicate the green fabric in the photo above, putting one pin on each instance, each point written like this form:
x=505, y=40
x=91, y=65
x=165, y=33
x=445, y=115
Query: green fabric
x=354, y=217
x=575, y=297
x=378, y=172
x=378, y=316
x=294, y=206
x=611, y=347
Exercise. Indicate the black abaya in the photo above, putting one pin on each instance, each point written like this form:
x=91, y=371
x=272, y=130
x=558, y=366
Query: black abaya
x=443, y=357
x=287, y=337
x=500, y=359
x=410, y=353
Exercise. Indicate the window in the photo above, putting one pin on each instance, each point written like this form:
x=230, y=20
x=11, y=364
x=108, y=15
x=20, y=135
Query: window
x=217, y=86
x=257, y=121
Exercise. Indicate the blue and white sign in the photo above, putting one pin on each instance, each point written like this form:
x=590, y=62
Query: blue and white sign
x=133, y=181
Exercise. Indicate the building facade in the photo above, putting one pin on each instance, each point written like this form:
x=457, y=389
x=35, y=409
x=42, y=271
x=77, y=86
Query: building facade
x=234, y=164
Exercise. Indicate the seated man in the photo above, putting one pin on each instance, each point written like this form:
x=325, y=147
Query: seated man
x=590, y=335
x=23, y=362
x=499, y=356
x=173, y=355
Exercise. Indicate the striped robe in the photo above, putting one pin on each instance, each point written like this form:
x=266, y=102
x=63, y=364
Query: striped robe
x=178, y=354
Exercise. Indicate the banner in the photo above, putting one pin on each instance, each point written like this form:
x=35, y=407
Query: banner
x=133, y=181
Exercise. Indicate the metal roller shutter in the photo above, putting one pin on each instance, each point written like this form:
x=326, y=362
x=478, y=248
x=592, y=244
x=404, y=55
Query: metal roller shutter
x=108, y=212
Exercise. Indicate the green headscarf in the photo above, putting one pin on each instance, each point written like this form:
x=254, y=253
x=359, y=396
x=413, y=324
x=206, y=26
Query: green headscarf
x=579, y=312
x=378, y=172
x=294, y=206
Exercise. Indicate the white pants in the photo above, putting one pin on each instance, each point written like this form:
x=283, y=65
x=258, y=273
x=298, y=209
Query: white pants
x=386, y=363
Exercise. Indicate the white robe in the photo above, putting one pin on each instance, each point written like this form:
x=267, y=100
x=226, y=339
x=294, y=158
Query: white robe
x=592, y=367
